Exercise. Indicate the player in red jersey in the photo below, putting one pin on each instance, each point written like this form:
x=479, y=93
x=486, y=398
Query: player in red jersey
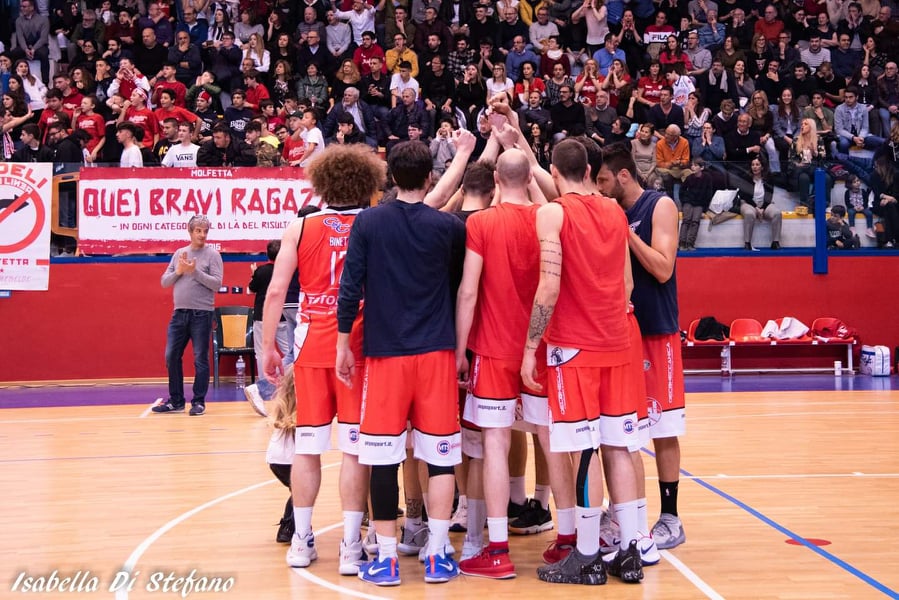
x=345, y=177
x=580, y=310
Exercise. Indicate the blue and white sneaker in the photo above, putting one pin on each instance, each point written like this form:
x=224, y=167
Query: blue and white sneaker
x=381, y=571
x=302, y=551
x=440, y=568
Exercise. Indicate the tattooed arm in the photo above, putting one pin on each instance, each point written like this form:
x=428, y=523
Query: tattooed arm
x=549, y=227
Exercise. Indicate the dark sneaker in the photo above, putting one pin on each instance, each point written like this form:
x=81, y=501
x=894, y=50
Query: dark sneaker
x=514, y=510
x=197, y=409
x=533, y=519
x=627, y=564
x=575, y=568
x=167, y=406
x=286, y=529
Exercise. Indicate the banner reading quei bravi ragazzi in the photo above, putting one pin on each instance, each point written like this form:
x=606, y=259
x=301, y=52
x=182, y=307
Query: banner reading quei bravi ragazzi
x=138, y=211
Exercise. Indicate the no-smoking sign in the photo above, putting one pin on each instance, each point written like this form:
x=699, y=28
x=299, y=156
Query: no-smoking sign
x=25, y=197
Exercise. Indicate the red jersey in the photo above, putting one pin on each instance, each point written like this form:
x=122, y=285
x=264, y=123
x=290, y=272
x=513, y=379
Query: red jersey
x=144, y=119
x=590, y=313
x=176, y=86
x=293, y=149
x=320, y=257
x=93, y=125
x=505, y=237
x=48, y=118
x=362, y=57
x=176, y=112
x=71, y=102
x=651, y=89
x=257, y=94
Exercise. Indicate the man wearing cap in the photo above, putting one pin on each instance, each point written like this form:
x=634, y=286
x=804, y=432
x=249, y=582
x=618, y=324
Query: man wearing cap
x=207, y=114
x=195, y=275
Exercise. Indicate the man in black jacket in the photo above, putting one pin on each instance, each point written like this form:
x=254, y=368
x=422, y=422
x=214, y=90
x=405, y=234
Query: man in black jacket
x=225, y=151
x=568, y=117
x=33, y=151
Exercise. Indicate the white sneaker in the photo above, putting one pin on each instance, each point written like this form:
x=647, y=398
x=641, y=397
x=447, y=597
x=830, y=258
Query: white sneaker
x=351, y=557
x=668, y=532
x=448, y=550
x=870, y=233
x=255, y=399
x=411, y=542
x=302, y=551
x=471, y=548
x=371, y=541
x=459, y=522
x=609, y=533
x=649, y=552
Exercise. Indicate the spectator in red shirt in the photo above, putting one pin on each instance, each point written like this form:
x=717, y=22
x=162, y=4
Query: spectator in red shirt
x=71, y=99
x=50, y=114
x=135, y=111
x=93, y=124
x=770, y=26
x=167, y=81
x=366, y=52
x=168, y=110
x=255, y=91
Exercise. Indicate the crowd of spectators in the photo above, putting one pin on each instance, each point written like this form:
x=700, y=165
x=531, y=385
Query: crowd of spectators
x=690, y=87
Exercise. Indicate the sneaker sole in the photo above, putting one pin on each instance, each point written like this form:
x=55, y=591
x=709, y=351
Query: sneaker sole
x=348, y=569
x=457, y=528
x=255, y=408
x=391, y=583
x=590, y=580
x=305, y=562
x=440, y=579
x=167, y=412
x=673, y=543
x=532, y=529
x=510, y=575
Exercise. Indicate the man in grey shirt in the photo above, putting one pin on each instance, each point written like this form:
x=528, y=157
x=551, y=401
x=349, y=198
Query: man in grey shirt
x=195, y=273
x=31, y=35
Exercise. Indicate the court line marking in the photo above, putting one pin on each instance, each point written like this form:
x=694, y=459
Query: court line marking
x=145, y=545
x=119, y=456
x=692, y=577
x=790, y=534
x=148, y=410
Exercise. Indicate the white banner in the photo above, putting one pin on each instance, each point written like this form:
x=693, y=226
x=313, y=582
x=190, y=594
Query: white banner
x=26, y=195
x=138, y=211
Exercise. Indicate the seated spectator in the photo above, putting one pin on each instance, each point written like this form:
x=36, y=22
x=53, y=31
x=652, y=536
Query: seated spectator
x=713, y=33
x=700, y=58
x=186, y=58
x=367, y=51
x=461, y=56
x=376, y=92
x=401, y=118
x=885, y=185
x=673, y=157
x=542, y=29
x=756, y=204
x=362, y=114
x=717, y=84
x=851, y=125
x=347, y=132
x=208, y=116
x=237, y=115
x=695, y=196
x=256, y=51
x=770, y=25
x=787, y=119
x=471, y=95
x=617, y=83
x=438, y=88
x=399, y=54
x=665, y=113
x=527, y=82
x=648, y=89
x=709, y=147
x=857, y=200
x=184, y=153
x=828, y=83
x=533, y=112
x=225, y=151
x=600, y=118
x=806, y=155
x=844, y=59
x=681, y=85
x=32, y=151
x=763, y=123
x=785, y=53
x=839, y=235
x=224, y=59
x=401, y=81
x=730, y=53
x=672, y=54
x=168, y=139
x=643, y=150
x=338, y=37
x=742, y=146
x=519, y=56
x=802, y=84
x=86, y=119
x=313, y=140
x=770, y=82
x=443, y=149
x=553, y=56
x=347, y=76
x=821, y=115
x=609, y=52
x=166, y=80
x=888, y=96
x=554, y=84
x=588, y=82
x=196, y=29
x=695, y=116
x=31, y=33
x=400, y=24
x=568, y=118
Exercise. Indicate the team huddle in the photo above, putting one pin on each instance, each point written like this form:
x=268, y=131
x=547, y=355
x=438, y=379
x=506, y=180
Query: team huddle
x=560, y=316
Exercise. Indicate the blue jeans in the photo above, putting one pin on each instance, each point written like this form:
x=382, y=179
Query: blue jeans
x=872, y=142
x=192, y=326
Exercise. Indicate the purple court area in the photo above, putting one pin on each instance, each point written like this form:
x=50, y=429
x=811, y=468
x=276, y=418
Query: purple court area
x=145, y=394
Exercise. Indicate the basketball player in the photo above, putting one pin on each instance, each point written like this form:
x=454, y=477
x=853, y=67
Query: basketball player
x=580, y=310
x=653, y=243
x=399, y=258
x=498, y=284
x=316, y=244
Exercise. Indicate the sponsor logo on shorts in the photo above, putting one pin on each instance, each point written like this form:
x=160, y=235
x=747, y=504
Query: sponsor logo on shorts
x=654, y=410
x=493, y=407
x=306, y=434
x=354, y=435
x=555, y=356
x=628, y=426
x=583, y=429
x=373, y=444
x=443, y=447
x=647, y=365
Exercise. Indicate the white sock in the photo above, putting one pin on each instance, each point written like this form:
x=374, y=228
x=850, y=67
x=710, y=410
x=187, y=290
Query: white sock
x=588, y=529
x=477, y=516
x=541, y=494
x=498, y=529
x=626, y=515
x=302, y=520
x=438, y=535
x=565, y=518
x=642, y=518
x=463, y=502
x=352, y=526
x=386, y=547
x=517, y=492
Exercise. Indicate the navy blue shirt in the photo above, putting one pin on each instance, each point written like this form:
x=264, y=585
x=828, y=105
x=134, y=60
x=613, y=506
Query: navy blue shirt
x=655, y=304
x=400, y=258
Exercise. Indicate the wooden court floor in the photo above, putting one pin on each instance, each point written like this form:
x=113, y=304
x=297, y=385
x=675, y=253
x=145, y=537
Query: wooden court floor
x=90, y=491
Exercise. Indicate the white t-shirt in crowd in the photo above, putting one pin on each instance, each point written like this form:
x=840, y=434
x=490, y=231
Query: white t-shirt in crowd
x=181, y=155
x=131, y=157
x=313, y=136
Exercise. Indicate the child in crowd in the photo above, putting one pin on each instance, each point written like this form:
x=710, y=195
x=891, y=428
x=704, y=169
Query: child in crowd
x=279, y=455
x=443, y=149
x=858, y=200
x=839, y=234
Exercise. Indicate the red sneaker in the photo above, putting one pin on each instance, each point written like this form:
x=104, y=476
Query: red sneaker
x=492, y=562
x=560, y=548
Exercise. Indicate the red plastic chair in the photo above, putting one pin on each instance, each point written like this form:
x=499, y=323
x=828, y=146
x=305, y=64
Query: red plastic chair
x=747, y=331
x=691, y=337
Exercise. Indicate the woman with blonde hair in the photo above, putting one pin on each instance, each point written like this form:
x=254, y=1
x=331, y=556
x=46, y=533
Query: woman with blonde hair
x=257, y=53
x=347, y=76
x=281, y=447
x=805, y=155
x=763, y=122
x=588, y=82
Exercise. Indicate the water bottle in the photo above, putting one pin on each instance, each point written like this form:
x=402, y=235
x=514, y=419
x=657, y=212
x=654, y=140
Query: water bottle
x=725, y=361
x=241, y=373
